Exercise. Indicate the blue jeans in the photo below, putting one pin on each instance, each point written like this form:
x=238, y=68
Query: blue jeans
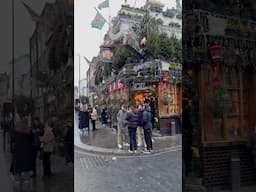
x=132, y=137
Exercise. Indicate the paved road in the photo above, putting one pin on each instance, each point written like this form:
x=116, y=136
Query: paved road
x=161, y=173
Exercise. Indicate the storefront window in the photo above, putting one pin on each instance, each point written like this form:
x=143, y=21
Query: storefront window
x=229, y=122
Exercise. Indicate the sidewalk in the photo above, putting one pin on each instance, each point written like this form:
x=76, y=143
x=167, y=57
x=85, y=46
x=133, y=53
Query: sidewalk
x=62, y=180
x=104, y=141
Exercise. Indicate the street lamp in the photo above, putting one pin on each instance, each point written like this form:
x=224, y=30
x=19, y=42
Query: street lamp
x=13, y=56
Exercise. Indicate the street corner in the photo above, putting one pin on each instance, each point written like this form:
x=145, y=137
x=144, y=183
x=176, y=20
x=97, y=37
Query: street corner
x=104, y=142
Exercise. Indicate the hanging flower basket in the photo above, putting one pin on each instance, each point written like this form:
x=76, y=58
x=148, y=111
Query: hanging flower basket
x=167, y=98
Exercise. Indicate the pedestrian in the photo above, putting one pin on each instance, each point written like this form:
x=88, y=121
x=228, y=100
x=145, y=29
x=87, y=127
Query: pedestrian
x=84, y=119
x=140, y=134
x=104, y=116
x=252, y=145
x=22, y=160
x=122, y=127
x=94, y=116
x=48, y=143
x=147, y=126
x=69, y=143
x=37, y=132
x=132, y=118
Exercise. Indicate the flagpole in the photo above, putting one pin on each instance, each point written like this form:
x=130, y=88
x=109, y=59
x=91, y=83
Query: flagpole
x=79, y=77
x=109, y=13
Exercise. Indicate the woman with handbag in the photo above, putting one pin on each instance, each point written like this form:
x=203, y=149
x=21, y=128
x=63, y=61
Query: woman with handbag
x=48, y=142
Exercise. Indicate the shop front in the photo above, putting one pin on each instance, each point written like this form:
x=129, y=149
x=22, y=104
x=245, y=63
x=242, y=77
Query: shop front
x=160, y=88
x=222, y=70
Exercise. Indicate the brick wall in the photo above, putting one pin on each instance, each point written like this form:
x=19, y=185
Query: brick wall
x=217, y=166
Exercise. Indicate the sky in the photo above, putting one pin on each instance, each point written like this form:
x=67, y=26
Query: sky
x=23, y=26
x=87, y=39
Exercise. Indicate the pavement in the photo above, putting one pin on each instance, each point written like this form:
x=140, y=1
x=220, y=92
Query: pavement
x=62, y=180
x=104, y=141
x=160, y=172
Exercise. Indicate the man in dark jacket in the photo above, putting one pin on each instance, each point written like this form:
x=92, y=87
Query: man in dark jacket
x=104, y=116
x=69, y=143
x=132, y=123
x=84, y=119
x=147, y=126
x=37, y=132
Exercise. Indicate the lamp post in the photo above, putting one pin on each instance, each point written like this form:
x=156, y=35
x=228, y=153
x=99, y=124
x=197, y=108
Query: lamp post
x=13, y=78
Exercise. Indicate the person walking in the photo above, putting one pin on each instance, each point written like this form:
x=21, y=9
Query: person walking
x=84, y=119
x=122, y=127
x=104, y=117
x=140, y=134
x=147, y=126
x=69, y=143
x=37, y=132
x=94, y=116
x=132, y=118
x=48, y=142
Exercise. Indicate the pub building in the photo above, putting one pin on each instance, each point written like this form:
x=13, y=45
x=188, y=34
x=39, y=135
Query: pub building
x=219, y=63
x=155, y=82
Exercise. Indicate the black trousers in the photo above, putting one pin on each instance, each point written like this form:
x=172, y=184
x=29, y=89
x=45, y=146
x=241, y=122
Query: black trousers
x=93, y=125
x=132, y=137
x=34, y=159
x=47, y=163
x=69, y=152
x=148, y=138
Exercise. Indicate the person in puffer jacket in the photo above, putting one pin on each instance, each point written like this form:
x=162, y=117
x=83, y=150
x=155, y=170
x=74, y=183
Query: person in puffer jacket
x=132, y=123
x=147, y=127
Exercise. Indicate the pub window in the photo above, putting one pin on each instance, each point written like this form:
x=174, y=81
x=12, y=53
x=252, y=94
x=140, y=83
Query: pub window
x=232, y=124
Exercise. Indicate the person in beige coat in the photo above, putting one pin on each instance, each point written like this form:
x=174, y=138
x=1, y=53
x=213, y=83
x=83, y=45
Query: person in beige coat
x=48, y=142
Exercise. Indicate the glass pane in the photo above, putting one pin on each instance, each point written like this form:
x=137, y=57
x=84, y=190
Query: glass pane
x=218, y=129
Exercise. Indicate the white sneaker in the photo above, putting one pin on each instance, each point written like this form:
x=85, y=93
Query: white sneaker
x=146, y=151
x=129, y=151
x=135, y=151
x=126, y=144
x=120, y=146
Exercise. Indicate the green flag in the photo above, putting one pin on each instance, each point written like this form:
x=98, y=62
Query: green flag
x=98, y=22
x=34, y=16
x=104, y=4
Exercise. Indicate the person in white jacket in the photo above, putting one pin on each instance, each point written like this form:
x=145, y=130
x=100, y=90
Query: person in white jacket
x=94, y=116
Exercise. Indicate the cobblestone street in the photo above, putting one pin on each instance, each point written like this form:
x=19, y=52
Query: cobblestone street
x=161, y=173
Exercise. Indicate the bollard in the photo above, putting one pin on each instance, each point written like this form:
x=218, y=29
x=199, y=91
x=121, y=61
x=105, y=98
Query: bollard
x=235, y=172
x=173, y=127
